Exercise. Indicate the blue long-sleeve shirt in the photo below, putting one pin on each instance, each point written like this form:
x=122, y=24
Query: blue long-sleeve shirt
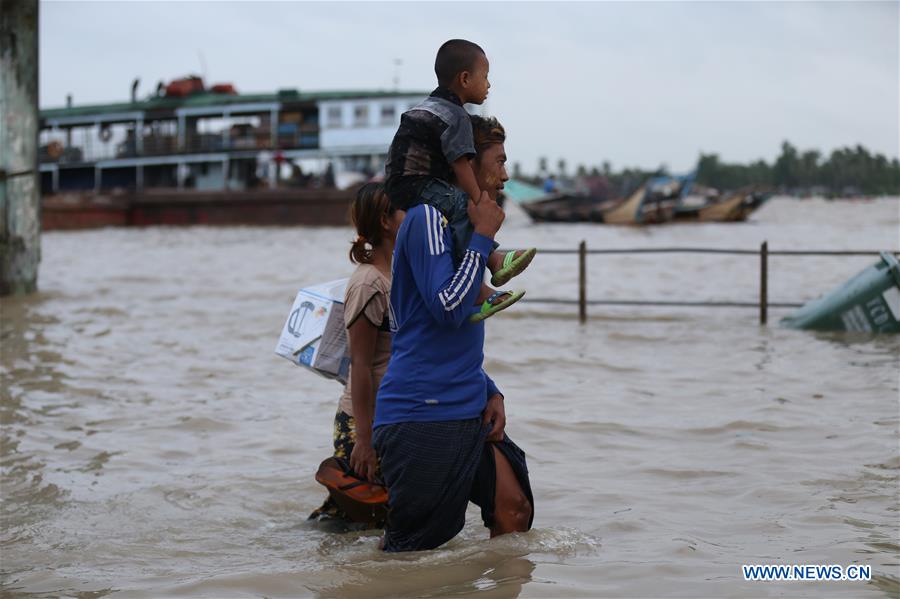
x=435, y=372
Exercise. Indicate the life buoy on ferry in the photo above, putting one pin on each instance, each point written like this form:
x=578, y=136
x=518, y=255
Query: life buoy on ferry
x=105, y=133
x=55, y=149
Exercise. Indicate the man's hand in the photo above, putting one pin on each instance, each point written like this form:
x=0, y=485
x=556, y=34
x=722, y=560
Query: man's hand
x=483, y=196
x=362, y=460
x=486, y=215
x=495, y=412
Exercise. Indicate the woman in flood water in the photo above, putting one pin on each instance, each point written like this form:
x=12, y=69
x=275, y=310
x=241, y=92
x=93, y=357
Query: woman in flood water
x=366, y=316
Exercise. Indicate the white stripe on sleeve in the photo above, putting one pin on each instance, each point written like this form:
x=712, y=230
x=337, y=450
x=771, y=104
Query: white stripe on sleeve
x=429, y=231
x=449, y=293
x=457, y=277
x=440, y=232
x=475, y=259
x=469, y=267
x=436, y=230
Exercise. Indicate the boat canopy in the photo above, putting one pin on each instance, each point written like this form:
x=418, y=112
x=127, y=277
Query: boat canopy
x=522, y=193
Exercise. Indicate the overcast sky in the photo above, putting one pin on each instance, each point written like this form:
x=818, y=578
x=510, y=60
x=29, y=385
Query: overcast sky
x=638, y=84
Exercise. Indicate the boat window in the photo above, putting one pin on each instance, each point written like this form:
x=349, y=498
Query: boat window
x=335, y=115
x=361, y=115
x=388, y=113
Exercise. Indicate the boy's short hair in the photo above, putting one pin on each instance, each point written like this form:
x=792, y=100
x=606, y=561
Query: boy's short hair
x=454, y=57
x=486, y=131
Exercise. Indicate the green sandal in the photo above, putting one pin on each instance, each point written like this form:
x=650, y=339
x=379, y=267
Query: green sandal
x=489, y=308
x=512, y=265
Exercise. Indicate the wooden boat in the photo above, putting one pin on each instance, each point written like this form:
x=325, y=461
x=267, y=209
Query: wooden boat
x=733, y=207
x=653, y=203
x=579, y=208
x=641, y=207
x=738, y=211
x=565, y=208
x=625, y=212
x=660, y=200
x=552, y=207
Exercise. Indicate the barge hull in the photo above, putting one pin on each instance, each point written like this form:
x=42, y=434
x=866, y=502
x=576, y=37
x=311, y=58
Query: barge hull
x=324, y=207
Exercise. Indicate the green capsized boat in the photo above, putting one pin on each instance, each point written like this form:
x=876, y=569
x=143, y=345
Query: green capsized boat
x=867, y=303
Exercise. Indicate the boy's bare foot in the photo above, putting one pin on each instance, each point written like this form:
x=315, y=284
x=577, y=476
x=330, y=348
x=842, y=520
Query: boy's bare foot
x=509, y=264
x=485, y=293
x=498, y=301
x=495, y=261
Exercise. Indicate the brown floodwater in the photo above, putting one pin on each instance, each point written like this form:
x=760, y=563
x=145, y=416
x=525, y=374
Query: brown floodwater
x=154, y=445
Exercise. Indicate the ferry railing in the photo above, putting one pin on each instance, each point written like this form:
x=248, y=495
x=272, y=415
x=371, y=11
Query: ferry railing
x=762, y=304
x=86, y=144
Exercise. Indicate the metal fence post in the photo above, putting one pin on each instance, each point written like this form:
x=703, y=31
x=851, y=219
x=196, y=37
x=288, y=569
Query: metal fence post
x=763, y=282
x=582, y=282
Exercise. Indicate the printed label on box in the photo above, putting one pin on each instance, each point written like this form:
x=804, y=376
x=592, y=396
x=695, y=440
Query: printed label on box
x=314, y=335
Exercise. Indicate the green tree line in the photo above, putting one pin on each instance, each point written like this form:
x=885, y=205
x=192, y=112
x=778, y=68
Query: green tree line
x=847, y=171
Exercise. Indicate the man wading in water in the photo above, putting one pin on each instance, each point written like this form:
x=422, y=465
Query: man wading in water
x=439, y=419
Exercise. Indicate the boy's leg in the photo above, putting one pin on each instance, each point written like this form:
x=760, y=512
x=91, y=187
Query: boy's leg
x=461, y=227
x=439, y=194
x=454, y=205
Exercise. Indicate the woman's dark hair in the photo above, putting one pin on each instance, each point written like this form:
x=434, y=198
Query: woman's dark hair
x=370, y=205
x=454, y=57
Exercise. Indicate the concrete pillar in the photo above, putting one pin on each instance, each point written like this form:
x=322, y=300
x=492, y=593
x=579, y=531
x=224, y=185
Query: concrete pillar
x=20, y=198
x=182, y=131
x=273, y=128
x=226, y=130
x=139, y=137
x=272, y=171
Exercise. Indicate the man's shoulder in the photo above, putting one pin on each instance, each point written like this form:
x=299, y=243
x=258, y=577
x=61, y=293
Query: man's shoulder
x=425, y=223
x=424, y=213
x=414, y=214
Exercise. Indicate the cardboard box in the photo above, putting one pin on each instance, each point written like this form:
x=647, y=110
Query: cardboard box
x=314, y=335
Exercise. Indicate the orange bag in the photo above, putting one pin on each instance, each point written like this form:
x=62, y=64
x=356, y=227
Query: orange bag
x=362, y=500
